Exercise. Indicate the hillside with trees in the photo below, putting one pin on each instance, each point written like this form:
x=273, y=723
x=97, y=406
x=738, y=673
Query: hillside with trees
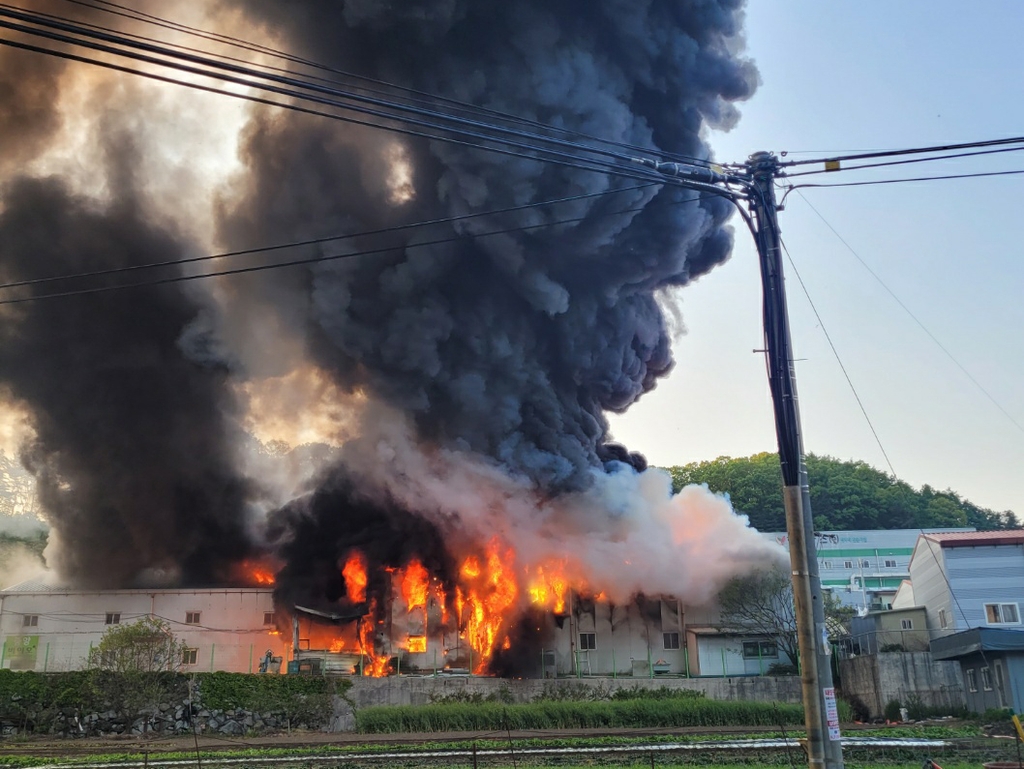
x=844, y=496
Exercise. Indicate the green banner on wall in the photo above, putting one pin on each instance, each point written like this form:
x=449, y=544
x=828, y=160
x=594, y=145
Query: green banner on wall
x=20, y=652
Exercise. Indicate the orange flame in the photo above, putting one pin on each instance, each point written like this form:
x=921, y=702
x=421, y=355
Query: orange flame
x=415, y=585
x=416, y=644
x=376, y=665
x=356, y=580
x=549, y=587
x=255, y=572
x=486, y=600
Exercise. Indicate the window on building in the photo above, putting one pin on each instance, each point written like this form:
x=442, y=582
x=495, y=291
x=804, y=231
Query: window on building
x=856, y=583
x=268, y=618
x=753, y=650
x=847, y=564
x=588, y=641
x=943, y=621
x=826, y=564
x=189, y=656
x=986, y=679
x=671, y=640
x=865, y=563
x=30, y=620
x=972, y=680
x=890, y=563
x=113, y=618
x=192, y=618
x=906, y=624
x=1002, y=614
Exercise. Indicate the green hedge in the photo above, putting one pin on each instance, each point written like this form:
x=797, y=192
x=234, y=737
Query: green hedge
x=567, y=715
x=35, y=700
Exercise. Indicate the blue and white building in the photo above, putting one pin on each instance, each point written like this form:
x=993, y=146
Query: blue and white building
x=864, y=569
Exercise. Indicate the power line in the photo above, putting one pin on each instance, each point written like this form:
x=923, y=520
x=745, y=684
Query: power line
x=908, y=162
x=316, y=241
x=309, y=260
x=909, y=151
x=158, y=21
x=282, y=84
x=839, y=360
x=913, y=317
x=903, y=181
x=635, y=172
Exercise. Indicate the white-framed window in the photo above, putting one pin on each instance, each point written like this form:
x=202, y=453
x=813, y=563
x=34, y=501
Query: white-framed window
x=865, y=563
x=671, y=640
x=986, y=679
x=189, y=656
x=192, y=617
x=268, y=618
x=944, y=621
x=1002, y=614
x=972, y=680
x=890, y=563
x=30, y=620
x=906, y=624
x=753, y=650
x=847, y=564
x=826, y=564
x=113, y=618
x=856, y=583
x=588, y=641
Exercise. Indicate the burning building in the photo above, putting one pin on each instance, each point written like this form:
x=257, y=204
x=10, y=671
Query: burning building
x=460, y=370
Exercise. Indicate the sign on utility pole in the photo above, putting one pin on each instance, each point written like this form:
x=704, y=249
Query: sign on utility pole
x=755, y=184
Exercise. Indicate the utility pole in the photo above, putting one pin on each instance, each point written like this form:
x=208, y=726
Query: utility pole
x=820, y=712
x=754, y=182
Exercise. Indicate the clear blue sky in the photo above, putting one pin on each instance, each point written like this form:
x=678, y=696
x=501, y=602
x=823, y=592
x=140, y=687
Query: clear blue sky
x=840, y=76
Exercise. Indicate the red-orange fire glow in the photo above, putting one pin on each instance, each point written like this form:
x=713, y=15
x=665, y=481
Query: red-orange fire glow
x=415, y=583
x=376, y=664
x=548, y=587
x=416, y=644
x=255, y=572
x=356, y=580
x=485, y=598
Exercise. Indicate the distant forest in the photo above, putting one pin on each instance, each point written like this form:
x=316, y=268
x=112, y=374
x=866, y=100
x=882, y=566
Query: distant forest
x=844, y=496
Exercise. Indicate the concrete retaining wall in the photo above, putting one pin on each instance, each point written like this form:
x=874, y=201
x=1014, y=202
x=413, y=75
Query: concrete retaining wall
x=411, y=690
x=875, y=679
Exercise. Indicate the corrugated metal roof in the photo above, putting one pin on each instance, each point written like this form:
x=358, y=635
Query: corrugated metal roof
x=35, y=585
x=969, y=538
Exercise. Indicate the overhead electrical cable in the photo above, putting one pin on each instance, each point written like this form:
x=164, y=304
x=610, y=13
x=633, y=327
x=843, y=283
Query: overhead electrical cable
x=914, y=317
x=839, y=360
x=284, y=84
x=314, y=259
x=908, y=162
x=795, y=187
x=319, y=241
x=635, y=172
x=908, y=151
x=414, y=94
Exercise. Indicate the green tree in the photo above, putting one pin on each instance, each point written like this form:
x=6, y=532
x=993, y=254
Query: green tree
x=145, y=646
x=844, y=495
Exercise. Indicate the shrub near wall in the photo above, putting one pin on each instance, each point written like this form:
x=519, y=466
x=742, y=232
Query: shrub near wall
x=637, y=713
x=103, y=702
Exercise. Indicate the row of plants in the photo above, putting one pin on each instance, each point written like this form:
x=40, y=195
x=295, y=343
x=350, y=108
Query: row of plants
x=327, y=751
x=632, y=713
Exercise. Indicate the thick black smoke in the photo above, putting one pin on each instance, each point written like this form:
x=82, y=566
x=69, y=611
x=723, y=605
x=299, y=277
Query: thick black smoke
x=132, y=455
x=315, y=534
x=511, y=347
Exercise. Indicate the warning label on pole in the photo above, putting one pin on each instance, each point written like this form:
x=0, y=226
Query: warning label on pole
x=831, y=713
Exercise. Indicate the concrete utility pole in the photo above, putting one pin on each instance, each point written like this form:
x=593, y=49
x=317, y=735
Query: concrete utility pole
x=754, y=184
x=820, y=712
